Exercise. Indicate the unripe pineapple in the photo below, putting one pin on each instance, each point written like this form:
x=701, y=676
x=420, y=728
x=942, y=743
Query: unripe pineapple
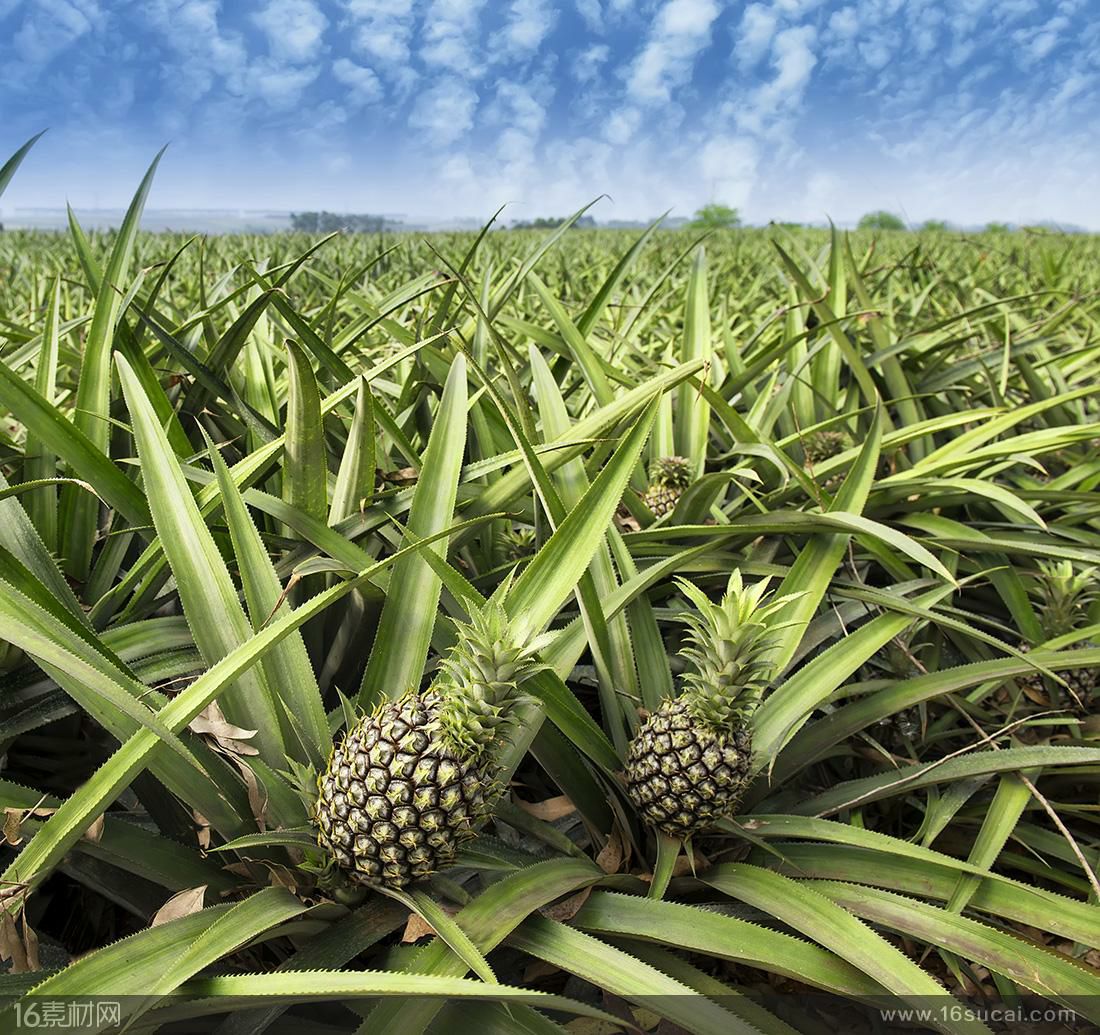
x=825, y=444
x=1064, y=597
x=414, y=778
x=669, y=476
x=689, y=763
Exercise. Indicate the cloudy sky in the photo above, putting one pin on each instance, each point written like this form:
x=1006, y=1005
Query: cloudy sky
x=968, y=110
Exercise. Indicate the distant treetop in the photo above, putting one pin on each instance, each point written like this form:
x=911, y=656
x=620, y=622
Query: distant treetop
x=715, y=217
x=935, y=226
x=881, y=220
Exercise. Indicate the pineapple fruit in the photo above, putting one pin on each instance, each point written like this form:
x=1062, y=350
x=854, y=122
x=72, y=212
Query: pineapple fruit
x=669, y=476
x=415, y=778
x=818, y=446
x=1063, y=596
x=690, y=761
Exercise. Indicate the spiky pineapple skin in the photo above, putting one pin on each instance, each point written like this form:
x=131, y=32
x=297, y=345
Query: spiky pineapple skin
x=1081, y=681
x=662, y=499
x=395, y=802
x=684, y=775
x=823, y=445
x=669, y=476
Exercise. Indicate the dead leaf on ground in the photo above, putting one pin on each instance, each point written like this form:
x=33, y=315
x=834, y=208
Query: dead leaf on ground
x=548, y=810
x=610, y=859
x=183, y=903
x=415, y=929
x=567, y=908
x=94, y=833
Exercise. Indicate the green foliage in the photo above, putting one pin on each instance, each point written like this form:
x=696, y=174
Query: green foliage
x=289, y=469
x=881, y=220
x=934, y=226
x=715, y=216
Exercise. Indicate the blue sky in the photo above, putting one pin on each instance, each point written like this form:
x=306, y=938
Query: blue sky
x=968, y=110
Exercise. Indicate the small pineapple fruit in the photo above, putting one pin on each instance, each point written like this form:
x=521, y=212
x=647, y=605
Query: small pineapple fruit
x=689, y=762
x=1064, y=597
x=669, y=476
x=414, y=778
x=824, y=445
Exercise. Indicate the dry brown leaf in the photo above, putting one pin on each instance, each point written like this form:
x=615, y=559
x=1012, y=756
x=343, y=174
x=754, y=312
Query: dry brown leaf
x=257, y=801
x=183, y=903
x=210, y=722
x=13, y=822
x=548, y=810
x=402, y=476
x=30, y=945
x=14, y=818
x=203, y=832
x=95, y=832
x=610, y=859
x=415, y=929
x=567, y=908
x=11, y=944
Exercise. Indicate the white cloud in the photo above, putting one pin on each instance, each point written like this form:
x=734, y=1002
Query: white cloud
x=621, y=125
x=527, y=25
x=294, y=29
x=680, y=31
x=793, y=59
x=758, y=25
x=450, y=35
x=208, y=54
x=592, y=14
x=383, y=28
x=588, y=63
x=445, y=110
x=279, y=85
x=1036, y=43
x=728, y=166
x=51, y=26
x=844, y=23
x=363, y=85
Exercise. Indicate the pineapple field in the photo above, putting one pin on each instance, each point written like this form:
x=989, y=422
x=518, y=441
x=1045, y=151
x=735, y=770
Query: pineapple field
x=531, y=631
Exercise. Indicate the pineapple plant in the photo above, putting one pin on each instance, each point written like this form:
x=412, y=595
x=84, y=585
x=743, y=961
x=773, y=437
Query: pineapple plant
x=1064, y=596
x=415, y=777
x=669, y=476
x=690, y=760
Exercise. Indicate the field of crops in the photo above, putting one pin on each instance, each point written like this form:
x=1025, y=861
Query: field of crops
x=711, y=619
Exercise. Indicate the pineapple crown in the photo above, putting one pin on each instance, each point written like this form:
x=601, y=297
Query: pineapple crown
x=728, y=647
x=671, y=472
x=480, y=677
x=1065, y=596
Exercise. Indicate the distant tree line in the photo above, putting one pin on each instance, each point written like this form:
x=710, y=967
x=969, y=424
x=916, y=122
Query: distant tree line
x=552, y=223
x=328, y=222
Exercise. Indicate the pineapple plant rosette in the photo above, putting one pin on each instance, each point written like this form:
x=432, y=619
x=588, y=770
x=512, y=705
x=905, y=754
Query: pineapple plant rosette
x=415, y=778
x=690, y=760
